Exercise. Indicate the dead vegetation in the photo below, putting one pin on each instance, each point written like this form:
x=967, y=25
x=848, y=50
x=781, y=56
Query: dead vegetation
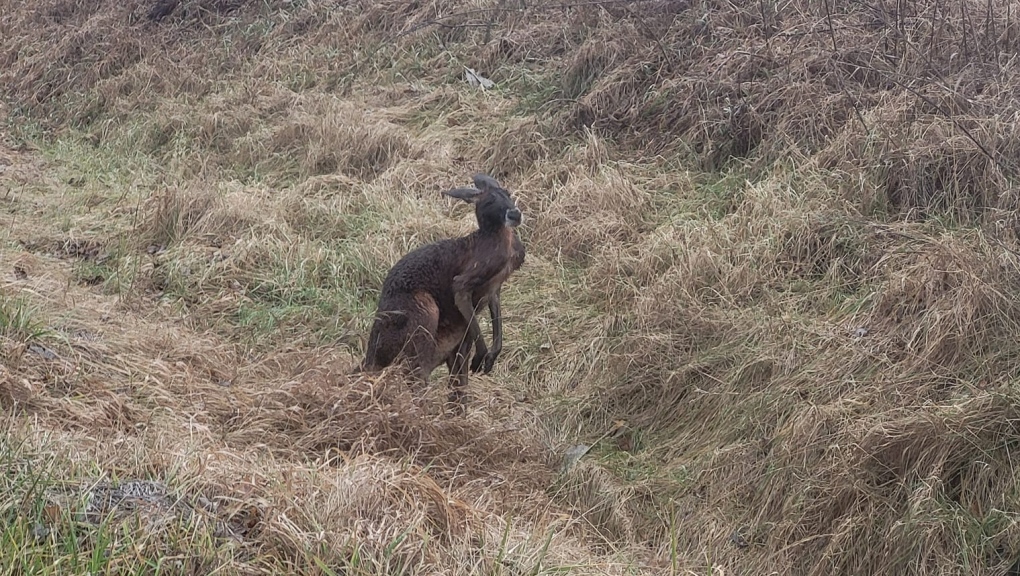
x=772, y=298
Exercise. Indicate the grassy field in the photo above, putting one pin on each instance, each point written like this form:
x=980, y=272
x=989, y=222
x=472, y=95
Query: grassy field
x=771, y=287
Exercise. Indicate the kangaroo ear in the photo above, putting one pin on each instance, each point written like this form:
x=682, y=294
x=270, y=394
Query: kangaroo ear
x=485, y=182
x=469, y=195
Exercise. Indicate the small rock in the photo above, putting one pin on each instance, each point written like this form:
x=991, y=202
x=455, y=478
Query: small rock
x=860, y=332
x=573, y=455
x=86, y=335
x=475, y=79
x=43, y=351
x=40, y=531
x=206, y=504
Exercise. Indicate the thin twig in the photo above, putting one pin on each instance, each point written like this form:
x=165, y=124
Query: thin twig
x=842, y=84
x=940, y=81
x=949, y=116
x=765, y=28
x=648, y=33
x=828, y=19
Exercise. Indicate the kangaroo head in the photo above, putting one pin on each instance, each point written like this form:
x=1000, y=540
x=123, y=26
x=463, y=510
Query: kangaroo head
x=494, y=208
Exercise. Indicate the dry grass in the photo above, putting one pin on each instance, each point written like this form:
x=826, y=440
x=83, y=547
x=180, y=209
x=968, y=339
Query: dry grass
x=770, y=286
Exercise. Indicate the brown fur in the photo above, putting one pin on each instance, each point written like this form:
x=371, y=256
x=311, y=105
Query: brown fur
x=430, y=297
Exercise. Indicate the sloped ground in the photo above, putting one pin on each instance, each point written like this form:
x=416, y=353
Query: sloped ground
x=771, y=282
x=295, y=465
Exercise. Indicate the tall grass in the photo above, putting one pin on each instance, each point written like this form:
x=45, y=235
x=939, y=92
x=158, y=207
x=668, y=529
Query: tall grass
x=769, y=295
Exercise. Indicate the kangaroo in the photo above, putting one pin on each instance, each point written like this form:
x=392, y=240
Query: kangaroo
x=427, y=307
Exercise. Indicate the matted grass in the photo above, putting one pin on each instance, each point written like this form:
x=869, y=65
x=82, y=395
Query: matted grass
x=767, y=323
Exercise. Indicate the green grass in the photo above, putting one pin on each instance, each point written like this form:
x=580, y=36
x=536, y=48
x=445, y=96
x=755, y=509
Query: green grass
x=533, y=92
x=314, y=295
x=18, y=319
x=713, y=314
x=112, y=273
x=39, y=536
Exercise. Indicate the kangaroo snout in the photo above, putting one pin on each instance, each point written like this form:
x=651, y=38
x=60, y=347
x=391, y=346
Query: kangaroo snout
x=514, y=217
